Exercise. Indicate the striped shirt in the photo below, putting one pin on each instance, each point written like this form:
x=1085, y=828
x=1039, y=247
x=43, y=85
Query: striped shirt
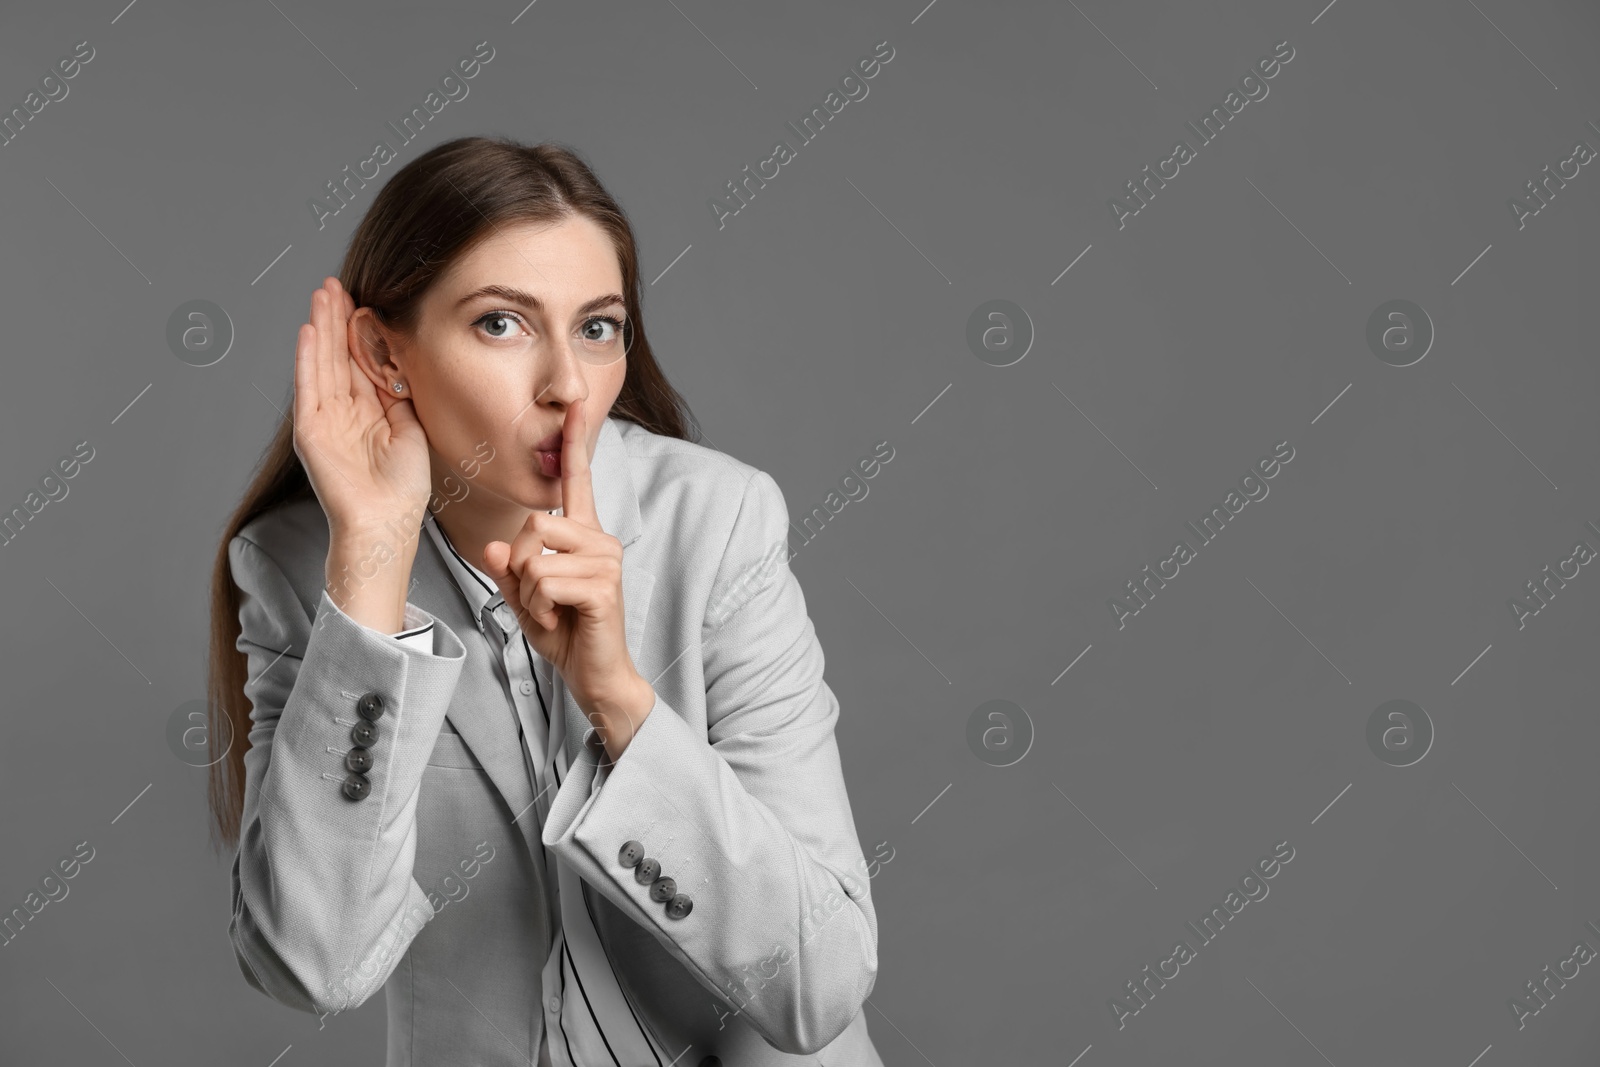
x=573, y=1021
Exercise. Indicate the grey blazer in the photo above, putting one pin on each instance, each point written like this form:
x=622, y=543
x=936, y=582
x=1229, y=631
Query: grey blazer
x=431, y=888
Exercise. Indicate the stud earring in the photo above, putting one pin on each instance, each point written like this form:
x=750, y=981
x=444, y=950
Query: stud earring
x=398, y=387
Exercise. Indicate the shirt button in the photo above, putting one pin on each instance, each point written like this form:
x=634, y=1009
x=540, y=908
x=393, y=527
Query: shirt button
x=554, y=1004
x=527, y=687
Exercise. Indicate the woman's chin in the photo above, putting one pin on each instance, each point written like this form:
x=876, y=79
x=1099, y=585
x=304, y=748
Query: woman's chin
x=541, y=497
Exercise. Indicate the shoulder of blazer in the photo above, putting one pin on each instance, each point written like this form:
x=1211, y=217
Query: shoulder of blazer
x=683, y=484
x=295, y=536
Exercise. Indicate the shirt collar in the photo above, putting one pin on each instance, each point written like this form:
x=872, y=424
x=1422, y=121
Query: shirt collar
x=478, y=588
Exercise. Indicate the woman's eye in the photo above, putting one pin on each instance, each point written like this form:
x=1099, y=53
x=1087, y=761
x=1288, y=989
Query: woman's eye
x=602, y=330
x=497, y=324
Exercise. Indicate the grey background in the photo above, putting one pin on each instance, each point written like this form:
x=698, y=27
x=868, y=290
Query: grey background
x=828, y=315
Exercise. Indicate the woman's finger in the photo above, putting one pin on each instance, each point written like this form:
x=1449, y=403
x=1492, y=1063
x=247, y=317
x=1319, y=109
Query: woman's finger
x=577, y=488
x=339, y=338
x=536, y=604
x=319, y=320
x=533, y=584
x=313, y=343
x=584, y=594
x=360, y=387
x=562, y=534
x=562, y=564
x=305, y=374
x=516, y=592
x=525, y=549
x=499, y=568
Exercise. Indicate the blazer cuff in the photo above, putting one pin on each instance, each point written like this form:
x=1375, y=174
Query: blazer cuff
x=746, y=877
x=349, y=660
x=417, y=629
x=677, y=797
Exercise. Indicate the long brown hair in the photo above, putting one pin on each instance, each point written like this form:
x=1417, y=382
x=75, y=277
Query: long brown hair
x=429, y=214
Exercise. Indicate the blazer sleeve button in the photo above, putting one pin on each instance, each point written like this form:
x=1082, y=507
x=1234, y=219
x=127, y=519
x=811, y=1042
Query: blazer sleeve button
x=630, y=854
x=647, y=871
x=364, y=733
x=356, y=786
x=370, y=707
x=662, y=888
x=358, y=760
x=679, y=906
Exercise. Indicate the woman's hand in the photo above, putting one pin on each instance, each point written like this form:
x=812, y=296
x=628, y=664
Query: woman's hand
x=569, y=601
x=364, y=452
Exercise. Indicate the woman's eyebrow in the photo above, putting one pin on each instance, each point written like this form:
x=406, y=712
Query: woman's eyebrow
x=527, y=299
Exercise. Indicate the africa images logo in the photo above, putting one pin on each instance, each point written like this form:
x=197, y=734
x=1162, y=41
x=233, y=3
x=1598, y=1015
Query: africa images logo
x=1253, y=86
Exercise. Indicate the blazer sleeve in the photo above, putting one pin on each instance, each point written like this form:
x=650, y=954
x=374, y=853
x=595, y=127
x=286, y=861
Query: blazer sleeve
x=324, y=902
x=752, y=822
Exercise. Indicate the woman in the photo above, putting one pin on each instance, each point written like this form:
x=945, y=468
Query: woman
x=519, y=712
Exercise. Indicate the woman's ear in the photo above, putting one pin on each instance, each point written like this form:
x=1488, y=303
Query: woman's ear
x=371, y=348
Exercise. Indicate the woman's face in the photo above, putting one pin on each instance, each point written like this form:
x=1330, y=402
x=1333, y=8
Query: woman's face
x=492, y=373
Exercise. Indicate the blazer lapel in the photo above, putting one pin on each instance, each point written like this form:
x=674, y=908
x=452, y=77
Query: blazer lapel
x=482, y=712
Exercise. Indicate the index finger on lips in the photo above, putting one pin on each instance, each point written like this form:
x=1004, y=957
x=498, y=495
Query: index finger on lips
x=577, y=489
